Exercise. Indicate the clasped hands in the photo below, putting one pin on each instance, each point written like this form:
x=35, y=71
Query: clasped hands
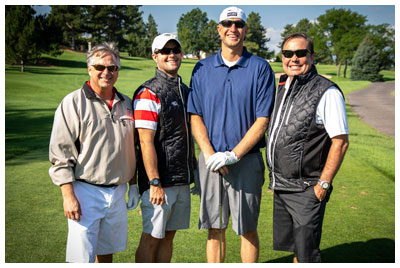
x=220, y=159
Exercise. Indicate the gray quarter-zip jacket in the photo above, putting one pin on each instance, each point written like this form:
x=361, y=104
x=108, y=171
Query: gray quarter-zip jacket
x=89, y=142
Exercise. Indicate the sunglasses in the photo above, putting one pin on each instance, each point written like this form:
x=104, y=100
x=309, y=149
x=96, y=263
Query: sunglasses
x=101, y=68
x=167, y=50
x=228, y=23
x=299, y=53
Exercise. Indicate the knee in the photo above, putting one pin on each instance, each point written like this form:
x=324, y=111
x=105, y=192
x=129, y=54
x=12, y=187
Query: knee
x=251, y=236
x=214, y=233
x=169, y=235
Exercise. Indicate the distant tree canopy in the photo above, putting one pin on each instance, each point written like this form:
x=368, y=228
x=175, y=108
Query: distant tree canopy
x=256, y=38
x=338, y=33
x=366, y=62
x=27, y=36
x=196, y=33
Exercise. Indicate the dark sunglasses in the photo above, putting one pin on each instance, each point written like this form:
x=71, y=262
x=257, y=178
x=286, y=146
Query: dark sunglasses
x=299, y=53
x=101, y=68
x=228, y=23
x=167, y=50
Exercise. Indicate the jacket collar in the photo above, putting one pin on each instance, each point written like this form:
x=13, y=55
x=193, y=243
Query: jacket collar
x=89, y=93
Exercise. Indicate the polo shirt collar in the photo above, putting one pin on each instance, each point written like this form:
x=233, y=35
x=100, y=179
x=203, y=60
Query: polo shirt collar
x=89, y=93
x=243, y=61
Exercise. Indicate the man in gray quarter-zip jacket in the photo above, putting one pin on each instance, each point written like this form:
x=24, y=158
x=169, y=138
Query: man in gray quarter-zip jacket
x=165, y=165
x=307, y=141
x=93, y=155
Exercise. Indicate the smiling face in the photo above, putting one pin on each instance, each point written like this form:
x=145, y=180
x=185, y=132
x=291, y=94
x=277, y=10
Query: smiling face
x=295, y=65
x=103, y=80
x=168, y=64
x=232, y=37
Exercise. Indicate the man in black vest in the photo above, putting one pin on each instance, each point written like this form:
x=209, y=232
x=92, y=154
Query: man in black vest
x=165, y=168
x=307, y=141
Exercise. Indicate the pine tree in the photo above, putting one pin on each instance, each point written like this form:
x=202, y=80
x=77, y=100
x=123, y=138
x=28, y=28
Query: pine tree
x=256, y=39
x=366, y=62
x=21, y=34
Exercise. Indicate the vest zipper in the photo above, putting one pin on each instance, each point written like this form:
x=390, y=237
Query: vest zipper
x=186, y=127
x=276, y=130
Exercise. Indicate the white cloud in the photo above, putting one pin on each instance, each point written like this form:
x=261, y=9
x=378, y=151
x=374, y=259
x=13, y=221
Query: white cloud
x=276, y=38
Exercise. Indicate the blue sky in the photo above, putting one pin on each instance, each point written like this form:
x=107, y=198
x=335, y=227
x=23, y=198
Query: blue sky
x=273, y=17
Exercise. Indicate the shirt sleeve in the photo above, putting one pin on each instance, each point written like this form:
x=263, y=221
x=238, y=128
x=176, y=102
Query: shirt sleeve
x=63, y=153
x=265, y=92
x=146, y=109
x=331, y=112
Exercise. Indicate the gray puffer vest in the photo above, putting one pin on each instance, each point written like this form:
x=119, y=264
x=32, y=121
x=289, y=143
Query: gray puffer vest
x=297, y=147
x=173, y=139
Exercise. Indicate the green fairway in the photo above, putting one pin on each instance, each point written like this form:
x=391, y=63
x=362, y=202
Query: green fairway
x=359, y=224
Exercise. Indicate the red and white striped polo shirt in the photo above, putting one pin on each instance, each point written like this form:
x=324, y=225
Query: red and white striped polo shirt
x=146, y=109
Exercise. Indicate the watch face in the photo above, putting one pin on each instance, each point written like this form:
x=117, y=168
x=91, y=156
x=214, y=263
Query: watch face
x=325, y=185
x=154, y=182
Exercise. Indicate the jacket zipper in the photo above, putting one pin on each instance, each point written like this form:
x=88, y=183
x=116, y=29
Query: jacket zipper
x=186, y=127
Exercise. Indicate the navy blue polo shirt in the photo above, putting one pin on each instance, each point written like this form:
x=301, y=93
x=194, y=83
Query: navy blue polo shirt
x=231, y=99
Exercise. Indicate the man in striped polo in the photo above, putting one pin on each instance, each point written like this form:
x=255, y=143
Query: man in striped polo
x=165, y=165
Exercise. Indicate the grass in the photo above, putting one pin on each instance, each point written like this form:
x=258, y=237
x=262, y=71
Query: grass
x=359, y=224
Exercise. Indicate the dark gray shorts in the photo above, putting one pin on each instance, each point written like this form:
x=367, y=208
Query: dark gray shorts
x=298, y=223
x=241, y=194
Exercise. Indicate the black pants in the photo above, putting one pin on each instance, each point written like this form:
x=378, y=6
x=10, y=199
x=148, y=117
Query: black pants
x=298, y=223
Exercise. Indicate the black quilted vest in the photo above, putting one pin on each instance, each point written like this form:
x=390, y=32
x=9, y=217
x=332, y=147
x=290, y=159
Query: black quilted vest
x=297, y=147
x=173, y=139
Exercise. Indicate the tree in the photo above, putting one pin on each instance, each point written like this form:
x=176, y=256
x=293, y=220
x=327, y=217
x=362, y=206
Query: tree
x=382, y=36
x=151, y=33
x=70, y=21
x=192, y=26
x=366, y=62
x=343, y=30
x=210, y=36
x=256, y=38
x=22, y=30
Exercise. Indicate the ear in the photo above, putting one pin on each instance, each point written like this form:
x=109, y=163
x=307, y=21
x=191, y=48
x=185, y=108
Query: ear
x=313, y=57
x=89, y=70
x=154, y=56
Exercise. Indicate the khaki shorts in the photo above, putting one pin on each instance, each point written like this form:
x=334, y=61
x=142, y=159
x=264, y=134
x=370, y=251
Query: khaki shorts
x=241, y=194
x=171, y=216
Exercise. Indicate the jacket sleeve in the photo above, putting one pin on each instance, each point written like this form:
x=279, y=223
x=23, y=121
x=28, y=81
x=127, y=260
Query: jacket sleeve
x=63, y=153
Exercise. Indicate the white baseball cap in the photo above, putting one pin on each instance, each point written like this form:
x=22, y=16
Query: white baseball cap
x=232, y=13
x=160, y=41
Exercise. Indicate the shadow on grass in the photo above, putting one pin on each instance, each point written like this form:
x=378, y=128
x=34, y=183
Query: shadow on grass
x=373, y=251
x=27, y=134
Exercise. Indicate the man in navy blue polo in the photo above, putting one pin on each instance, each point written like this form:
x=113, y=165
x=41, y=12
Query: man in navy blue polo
x=230, y=104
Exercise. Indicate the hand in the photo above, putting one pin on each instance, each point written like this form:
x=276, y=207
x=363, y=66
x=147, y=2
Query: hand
x=219, y=159
x=319, y=192
x=133, y=197
x=157, y=195
x=72, y=208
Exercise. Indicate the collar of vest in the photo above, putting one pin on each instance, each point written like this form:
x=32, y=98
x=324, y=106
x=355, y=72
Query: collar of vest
x=171, y=80
x=301, y=79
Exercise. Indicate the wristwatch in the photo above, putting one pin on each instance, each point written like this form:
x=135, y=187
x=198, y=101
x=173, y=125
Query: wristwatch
x=154, y=182
x=324, y=184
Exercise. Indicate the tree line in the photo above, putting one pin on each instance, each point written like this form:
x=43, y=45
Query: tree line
x=337, y=34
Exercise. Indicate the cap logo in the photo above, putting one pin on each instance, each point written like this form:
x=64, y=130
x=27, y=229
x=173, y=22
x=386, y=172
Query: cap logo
x=231, y=14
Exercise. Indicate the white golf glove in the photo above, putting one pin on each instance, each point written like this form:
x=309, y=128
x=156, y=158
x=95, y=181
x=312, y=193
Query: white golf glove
x=219, y=159
x=133, y=197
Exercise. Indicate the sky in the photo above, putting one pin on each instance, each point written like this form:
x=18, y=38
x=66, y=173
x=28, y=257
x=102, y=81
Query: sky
x=273, y=17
